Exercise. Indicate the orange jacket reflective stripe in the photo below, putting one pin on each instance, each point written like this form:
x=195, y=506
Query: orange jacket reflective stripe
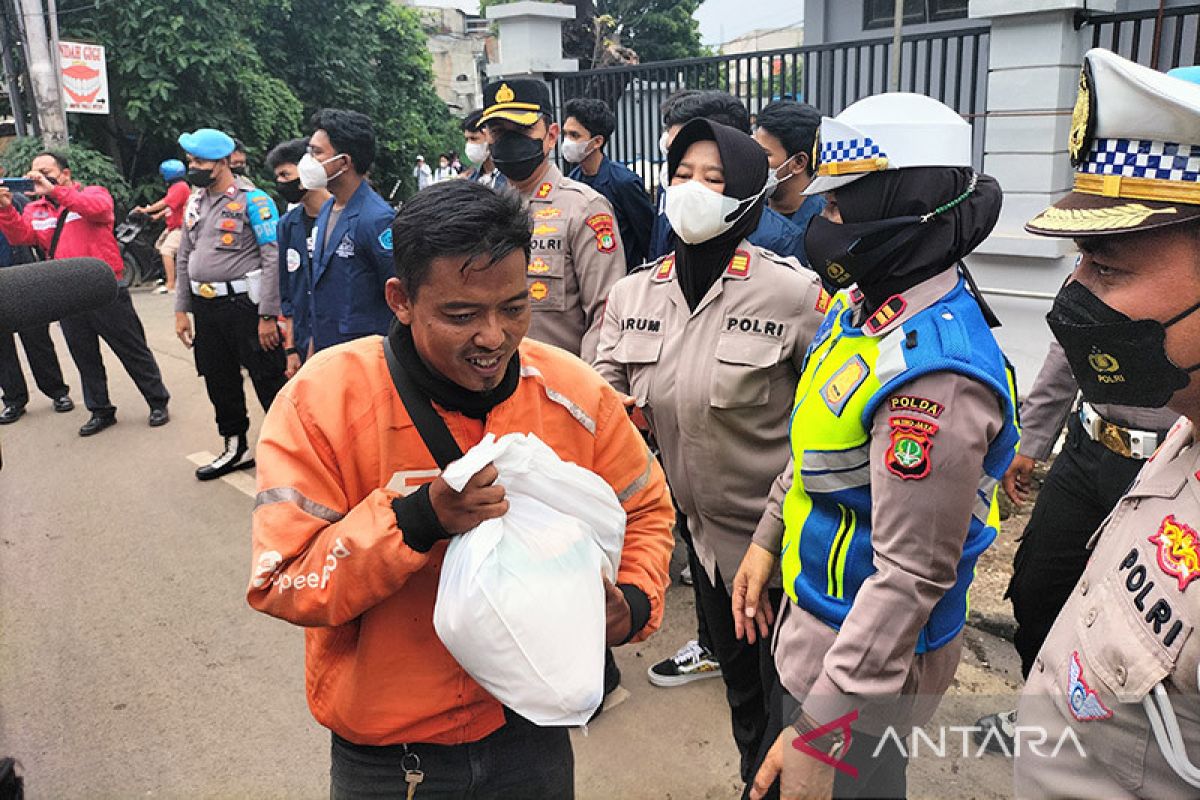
x=336, y=448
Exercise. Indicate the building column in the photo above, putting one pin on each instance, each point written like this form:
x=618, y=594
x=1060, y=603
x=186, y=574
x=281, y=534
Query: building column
x=1034, y=58
x=530, y=39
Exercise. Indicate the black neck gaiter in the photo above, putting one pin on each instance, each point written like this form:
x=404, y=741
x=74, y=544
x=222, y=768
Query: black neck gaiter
x=446, y=393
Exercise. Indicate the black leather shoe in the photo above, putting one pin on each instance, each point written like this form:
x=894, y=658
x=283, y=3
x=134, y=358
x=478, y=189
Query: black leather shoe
x=234, y=457
x=159, y=416
x=63, y=404
x=96, y=424
x=11, y=414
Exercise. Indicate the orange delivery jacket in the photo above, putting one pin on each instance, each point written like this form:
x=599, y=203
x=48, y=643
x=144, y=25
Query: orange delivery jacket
x=337, y=446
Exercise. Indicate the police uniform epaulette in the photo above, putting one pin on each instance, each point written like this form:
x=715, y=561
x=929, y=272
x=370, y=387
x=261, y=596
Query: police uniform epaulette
x=786, y=261
x=578, y=186
x=649, y=265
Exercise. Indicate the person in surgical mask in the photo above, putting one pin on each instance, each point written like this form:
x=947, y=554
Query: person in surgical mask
x=295, y=234
x=483, y=169
x=774, y=231
x=342, y=295
x=708, y=343
x=786, y=130
x=577, y=254
x=904, y=422
x=587, y=128
x=1119, y=667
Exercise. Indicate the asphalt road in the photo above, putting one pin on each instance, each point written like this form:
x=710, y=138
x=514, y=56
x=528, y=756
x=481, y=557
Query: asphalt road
x=131, y=666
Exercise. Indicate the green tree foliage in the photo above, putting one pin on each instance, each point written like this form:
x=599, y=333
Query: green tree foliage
x=257, y=69
x=87, y=166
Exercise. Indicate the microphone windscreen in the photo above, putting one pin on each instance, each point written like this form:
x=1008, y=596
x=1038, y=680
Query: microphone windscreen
x=36, y=294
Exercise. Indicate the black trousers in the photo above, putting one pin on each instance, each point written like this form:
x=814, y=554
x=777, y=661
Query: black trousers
x=226, y=341
x=519, y=761
x=119, y=326
x=1082, y=487
x=748, y=670
x=43, y=363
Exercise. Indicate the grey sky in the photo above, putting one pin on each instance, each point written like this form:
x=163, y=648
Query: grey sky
x=720, y=20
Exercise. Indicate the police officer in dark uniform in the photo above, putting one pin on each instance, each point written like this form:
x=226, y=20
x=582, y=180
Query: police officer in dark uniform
x=228, y=279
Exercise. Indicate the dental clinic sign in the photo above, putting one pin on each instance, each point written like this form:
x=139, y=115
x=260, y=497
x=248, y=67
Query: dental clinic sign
x=84, y=78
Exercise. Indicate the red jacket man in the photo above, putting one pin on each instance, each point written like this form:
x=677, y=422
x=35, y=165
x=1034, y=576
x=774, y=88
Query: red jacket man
x=84, y=217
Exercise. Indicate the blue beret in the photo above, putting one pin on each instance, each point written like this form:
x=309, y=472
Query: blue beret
x=207, y=143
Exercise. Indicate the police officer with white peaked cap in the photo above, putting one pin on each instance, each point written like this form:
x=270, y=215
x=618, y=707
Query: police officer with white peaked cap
x=1118, y=671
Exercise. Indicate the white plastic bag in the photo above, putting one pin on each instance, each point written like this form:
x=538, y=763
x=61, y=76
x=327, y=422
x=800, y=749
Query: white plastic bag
x=520, y=602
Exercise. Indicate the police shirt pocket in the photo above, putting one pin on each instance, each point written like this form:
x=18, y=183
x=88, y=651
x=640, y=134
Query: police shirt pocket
x=639, y=354
x=741, y=377
x=1118, y=663
x=547, y=292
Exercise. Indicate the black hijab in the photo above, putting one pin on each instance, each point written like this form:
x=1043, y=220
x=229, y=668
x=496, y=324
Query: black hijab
x=942, y=242
x=745, y=164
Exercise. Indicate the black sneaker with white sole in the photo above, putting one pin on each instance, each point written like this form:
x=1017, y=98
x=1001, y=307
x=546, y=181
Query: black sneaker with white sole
x=997, y=732
x=236, y=456
x=690, y=663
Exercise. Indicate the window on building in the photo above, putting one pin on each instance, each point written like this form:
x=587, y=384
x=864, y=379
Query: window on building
x=881, y=13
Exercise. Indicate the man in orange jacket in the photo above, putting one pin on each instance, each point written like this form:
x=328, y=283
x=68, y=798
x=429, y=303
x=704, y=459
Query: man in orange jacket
x=352, y=518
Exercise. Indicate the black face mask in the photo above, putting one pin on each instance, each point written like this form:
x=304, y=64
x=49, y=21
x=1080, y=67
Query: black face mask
x=291, y=191
x=200, y=178
x=517, y=156
x=1116, y=360
x=846, y=253
x=238, y=170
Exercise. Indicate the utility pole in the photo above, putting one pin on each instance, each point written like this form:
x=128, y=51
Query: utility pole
x=897, y=43
x=47, y=88
x=12, y=82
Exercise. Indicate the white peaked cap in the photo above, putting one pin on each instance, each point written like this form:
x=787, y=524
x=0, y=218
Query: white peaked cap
x=895, y=130
x=1135, y=146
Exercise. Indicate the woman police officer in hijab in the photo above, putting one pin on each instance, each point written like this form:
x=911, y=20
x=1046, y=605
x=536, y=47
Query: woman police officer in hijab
x=709, y=341
x=904, y=421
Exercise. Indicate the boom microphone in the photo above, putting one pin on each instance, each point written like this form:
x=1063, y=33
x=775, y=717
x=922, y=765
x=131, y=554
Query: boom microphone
x=36, y=294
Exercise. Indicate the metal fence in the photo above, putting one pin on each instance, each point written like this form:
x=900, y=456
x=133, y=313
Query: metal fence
x=949, y=65
x=1159, y=38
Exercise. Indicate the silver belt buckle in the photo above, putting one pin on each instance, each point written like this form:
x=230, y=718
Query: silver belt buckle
x=1142, y=444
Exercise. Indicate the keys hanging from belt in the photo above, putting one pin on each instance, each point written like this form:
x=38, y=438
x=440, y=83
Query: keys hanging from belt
x=413, y=776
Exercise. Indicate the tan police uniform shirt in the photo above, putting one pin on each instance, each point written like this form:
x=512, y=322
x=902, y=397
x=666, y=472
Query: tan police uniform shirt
x=219, y=245
x=1050, y=402
x=918, y=530
x=1127, y=628
x=716, y=385
x=575, y=260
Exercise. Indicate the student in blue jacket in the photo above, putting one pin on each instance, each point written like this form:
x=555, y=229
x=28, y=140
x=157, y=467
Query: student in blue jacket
x=586, y=130
x=342, y=298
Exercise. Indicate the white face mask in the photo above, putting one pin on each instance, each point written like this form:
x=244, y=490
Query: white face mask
x=698, y=214
x=477, y=152
x=774, y=181
x=312, y=172
x=664, y=144
x=575, y=151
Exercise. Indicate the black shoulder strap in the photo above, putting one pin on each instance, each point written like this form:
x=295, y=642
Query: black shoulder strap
x=430, y=425
x=58, y=229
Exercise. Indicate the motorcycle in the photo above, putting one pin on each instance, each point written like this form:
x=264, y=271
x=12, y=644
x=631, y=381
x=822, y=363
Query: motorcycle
x=136, y=237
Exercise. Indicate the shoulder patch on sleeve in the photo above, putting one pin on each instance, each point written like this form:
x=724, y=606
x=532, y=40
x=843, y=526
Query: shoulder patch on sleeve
x=908, y=453
x=385, y=239
x=602, y=225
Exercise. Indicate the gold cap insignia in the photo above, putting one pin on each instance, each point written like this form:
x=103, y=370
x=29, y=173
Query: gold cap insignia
x=1083, y=119
x=504, y=94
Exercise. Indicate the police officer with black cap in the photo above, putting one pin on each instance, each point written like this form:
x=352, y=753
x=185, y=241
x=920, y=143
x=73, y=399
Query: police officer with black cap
x=228, y=267
x=577, y=254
